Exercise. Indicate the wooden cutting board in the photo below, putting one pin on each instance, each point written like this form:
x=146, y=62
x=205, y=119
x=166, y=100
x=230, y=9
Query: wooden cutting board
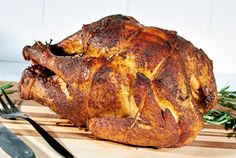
x=212, y=141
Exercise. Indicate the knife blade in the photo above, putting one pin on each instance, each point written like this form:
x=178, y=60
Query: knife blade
x=13, y=145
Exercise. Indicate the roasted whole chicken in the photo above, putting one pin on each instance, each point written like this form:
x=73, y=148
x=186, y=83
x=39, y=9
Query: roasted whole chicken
x=125, y=82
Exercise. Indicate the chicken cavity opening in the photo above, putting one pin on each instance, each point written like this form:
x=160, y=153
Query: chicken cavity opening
x=59, y=51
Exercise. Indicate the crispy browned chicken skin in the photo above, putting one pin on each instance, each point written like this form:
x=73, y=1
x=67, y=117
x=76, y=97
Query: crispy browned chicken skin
x=126, y=82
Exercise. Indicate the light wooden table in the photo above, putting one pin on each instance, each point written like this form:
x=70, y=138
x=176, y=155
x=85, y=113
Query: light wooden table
x=211, y=141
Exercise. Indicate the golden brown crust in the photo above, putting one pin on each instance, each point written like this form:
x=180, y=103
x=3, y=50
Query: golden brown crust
x=128, y=83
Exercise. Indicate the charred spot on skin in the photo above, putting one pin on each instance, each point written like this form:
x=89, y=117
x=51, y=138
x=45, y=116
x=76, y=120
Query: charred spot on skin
x=120, y=17
x=148, y=52
x=142, y=79
x=163, y=114
x=206, y=97
x=182, y=98
x=209, y=98
x=103, y=59
x=166, y=81
x=158, y=81
x=175, y=90
x=101, y=75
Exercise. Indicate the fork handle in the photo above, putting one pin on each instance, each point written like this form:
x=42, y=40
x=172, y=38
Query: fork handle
x=51, y=141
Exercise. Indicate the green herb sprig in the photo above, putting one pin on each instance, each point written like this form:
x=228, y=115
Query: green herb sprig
x=5, y=87
x=218, y=117
x=227, y=99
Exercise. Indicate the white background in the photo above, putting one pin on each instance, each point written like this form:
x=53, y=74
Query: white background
x=208, y=24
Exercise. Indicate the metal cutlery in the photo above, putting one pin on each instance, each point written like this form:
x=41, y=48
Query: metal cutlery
x=12, y=112
x=14, y=146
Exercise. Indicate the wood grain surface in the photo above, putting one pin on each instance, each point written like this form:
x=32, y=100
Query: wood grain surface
x=211, y=141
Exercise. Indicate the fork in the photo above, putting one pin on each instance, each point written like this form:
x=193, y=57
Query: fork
x=13, y=112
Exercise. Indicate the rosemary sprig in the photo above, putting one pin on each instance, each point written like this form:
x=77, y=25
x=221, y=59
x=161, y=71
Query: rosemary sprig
x=218, y=117
x=5, y=87
x=227, y=99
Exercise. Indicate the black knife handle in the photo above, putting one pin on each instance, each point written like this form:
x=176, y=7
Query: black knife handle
x=13, y=145
x=51, y=141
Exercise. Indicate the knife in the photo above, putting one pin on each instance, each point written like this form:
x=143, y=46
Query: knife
x=13, y=145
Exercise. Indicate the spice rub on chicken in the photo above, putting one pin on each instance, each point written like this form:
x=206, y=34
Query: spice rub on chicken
x=126, y=82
